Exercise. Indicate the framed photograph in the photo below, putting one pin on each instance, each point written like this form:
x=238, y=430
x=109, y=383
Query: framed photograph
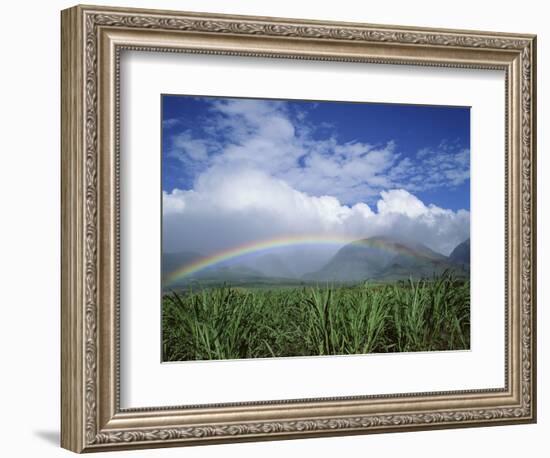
x=278, y=228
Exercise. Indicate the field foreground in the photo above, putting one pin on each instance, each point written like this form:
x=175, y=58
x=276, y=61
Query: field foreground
x=236, y=323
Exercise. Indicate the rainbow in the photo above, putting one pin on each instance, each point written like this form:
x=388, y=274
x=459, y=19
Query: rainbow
x=281, y=242
x=252, y=248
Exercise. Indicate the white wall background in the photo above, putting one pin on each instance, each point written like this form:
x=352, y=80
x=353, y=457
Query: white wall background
x=29, y=228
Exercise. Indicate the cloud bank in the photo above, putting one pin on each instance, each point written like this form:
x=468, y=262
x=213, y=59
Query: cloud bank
x=259, y=170
x=229, y=209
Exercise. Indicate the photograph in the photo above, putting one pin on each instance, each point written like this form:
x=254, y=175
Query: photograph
x=313, y=228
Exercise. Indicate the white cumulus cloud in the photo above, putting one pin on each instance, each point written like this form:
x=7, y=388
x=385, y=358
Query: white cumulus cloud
x=230, y=207
x=257, y=170
x=265, y=135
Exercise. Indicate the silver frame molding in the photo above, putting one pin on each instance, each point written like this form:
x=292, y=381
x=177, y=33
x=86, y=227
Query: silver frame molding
x=92, y=40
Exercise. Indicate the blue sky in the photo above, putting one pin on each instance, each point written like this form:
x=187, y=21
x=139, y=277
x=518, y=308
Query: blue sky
x=422, y=149
x=241, y=170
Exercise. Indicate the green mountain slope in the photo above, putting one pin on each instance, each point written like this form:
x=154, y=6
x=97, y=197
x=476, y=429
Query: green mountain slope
x=384, y=259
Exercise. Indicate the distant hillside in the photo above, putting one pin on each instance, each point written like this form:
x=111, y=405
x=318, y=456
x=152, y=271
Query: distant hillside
x=384, y=259
x=229, y=274
x=174, y=261
x=272, y=265
x=375, y=258
x=461, y=254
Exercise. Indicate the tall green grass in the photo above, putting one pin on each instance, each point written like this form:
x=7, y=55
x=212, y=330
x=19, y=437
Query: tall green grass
x=235, y=323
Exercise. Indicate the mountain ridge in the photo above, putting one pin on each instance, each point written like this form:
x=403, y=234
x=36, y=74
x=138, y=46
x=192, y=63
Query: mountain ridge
x=377, y=258
x=461, y=253
x=386, y=259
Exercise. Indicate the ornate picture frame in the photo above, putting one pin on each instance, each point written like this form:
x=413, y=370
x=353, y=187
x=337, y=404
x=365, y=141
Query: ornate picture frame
x=93, y=39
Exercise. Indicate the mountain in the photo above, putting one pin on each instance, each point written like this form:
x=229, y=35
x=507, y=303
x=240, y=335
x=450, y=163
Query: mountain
x=384, y=259
x=272, y=265
x=174, y=261
x=171, y=262
x=461, y=254
x=375, y=258
x=240, y=274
